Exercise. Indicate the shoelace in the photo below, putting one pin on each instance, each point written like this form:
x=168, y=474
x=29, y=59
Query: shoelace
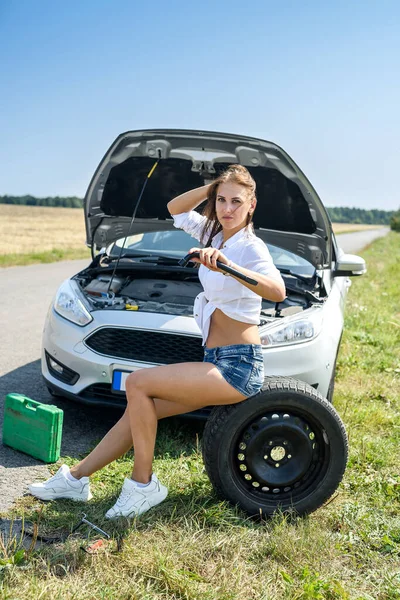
x=56, y=476
x=123, y=497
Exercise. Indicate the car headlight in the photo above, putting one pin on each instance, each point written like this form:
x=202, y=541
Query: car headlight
x=69, y=306
x=292, y=331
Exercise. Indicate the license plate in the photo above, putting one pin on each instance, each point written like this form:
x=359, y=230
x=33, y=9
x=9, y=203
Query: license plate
x=119, y=380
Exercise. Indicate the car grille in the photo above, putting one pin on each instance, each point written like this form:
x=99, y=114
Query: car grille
x=146, y=346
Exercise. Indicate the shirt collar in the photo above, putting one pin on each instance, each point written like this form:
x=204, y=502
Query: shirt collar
x=245, y=232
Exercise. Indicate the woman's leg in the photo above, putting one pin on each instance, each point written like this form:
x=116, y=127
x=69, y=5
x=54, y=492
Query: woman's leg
x=119, y=440
x=193, y=385
x=113, y=445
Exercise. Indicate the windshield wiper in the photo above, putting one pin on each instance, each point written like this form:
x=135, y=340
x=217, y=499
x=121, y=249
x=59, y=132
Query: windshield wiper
x=309, y=279
x=161, y=260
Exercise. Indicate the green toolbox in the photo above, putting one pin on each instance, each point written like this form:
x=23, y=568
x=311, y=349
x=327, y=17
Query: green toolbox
x=32, y=427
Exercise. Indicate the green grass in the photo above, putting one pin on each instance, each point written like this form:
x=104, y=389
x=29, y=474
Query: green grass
x=194, y=546
x=14, y=260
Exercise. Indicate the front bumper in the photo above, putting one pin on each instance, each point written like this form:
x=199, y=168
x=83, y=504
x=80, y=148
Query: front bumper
x=311, y=361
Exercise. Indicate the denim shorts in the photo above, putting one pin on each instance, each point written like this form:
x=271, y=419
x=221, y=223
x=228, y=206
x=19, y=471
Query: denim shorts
x=241, y=365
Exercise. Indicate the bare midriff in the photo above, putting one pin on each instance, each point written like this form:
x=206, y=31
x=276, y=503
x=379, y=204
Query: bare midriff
x=225, y=331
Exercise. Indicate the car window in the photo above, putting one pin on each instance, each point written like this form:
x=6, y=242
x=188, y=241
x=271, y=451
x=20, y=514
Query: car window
x=178, y=243
x=162, y=243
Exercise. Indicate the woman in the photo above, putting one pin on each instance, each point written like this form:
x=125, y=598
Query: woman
x=227, y=312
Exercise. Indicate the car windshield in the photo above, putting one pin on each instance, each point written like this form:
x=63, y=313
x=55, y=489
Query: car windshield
x=176, y=244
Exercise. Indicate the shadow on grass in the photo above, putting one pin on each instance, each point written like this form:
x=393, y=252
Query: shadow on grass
x=192, y=508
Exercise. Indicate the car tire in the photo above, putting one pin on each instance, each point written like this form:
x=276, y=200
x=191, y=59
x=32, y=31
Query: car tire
x=283, y=449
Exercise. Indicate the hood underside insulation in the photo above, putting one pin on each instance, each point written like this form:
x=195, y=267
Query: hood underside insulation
x=281, y=204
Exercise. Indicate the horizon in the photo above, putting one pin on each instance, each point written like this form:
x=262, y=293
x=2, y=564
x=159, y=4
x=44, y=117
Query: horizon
x=83, y=197
x=316, y=79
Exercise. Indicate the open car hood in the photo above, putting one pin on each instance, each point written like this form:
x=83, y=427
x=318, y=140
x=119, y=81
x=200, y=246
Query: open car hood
x=289, y=212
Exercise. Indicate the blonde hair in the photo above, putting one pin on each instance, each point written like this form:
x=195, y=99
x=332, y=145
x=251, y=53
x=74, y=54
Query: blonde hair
x=233, y=174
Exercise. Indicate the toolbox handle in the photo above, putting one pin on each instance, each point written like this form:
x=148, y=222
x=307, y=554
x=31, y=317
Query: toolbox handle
x=28, y=403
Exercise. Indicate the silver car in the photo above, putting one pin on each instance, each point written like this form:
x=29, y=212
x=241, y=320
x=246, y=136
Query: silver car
x=132, y=306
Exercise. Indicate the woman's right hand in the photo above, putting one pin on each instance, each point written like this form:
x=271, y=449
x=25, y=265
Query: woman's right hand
x=209, y=256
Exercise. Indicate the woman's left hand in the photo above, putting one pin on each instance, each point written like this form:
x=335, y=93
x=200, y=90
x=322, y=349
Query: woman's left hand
x=209, y=257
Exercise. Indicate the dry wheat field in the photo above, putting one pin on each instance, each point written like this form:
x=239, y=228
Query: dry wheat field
x=350, y=227
x=30, y=229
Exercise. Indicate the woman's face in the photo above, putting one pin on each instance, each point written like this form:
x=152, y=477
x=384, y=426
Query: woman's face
x=232, y=205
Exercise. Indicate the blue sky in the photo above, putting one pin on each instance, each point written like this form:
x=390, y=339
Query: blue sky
x=321, y=79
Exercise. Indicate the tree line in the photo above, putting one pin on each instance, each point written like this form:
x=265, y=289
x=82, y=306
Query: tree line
x=338, y=214
x=345, y=214
x=395, y=221
x=67, y=202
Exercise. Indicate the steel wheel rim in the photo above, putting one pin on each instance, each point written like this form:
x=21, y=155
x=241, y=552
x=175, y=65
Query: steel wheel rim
x=280, y=456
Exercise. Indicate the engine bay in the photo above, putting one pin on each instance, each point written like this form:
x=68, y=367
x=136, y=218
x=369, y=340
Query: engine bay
x=171, y=291
x=141, y=293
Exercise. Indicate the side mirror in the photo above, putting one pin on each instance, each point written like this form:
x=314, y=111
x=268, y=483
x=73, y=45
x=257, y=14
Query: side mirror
x=349, y=265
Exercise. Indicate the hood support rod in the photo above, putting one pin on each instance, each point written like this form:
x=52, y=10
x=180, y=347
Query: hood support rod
x=150, y=173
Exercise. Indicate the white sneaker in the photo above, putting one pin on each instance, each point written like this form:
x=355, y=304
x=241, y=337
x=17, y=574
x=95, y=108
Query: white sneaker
x=134, y=500
x=59, y=486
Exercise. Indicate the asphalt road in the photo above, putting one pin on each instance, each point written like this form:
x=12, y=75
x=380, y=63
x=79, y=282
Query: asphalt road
x=352, y=243
x=26, y=293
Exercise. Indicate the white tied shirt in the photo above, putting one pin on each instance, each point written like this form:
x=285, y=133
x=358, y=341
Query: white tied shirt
x=226, y=293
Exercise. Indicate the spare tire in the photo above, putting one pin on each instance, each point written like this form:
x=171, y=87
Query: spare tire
x=284, y=449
